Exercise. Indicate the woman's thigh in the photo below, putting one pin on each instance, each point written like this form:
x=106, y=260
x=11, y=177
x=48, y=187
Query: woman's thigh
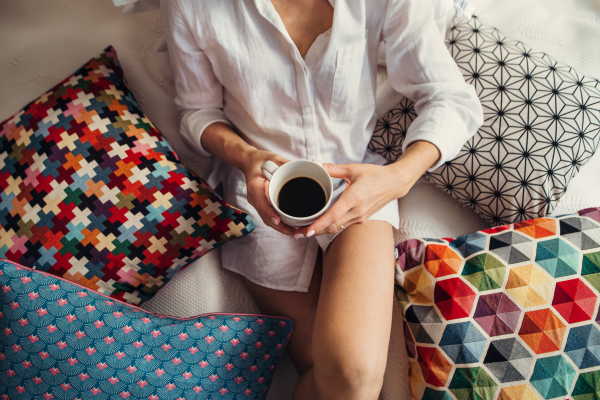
x=350, y=294
x=300, y=307
x=354, y=312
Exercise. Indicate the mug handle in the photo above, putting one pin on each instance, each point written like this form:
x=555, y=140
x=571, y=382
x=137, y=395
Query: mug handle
x=268, y=169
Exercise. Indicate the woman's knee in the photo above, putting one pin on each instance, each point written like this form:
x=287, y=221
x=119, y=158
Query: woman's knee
x=349, y=374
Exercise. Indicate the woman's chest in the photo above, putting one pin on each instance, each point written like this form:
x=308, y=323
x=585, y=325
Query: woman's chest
x=255, y=57
x=304, y=20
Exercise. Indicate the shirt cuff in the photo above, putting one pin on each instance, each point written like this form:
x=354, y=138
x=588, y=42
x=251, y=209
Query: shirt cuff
x=443, y=128
x=194, y=122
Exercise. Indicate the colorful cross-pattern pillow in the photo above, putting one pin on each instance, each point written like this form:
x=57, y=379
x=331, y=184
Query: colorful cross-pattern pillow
x=91, y=191
x=59, y=340
x=507, y=313
x=542, y=124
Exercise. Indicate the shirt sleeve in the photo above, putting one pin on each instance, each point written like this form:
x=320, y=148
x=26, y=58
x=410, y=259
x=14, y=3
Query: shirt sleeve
x=421, y=68
x=199, y=92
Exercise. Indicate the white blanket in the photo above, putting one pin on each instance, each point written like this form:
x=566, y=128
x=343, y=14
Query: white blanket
x=42, y=42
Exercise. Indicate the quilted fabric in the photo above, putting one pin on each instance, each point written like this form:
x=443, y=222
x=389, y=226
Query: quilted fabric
x=542, y=123
x=509, y=313
x=59, y=340
x=92, y=192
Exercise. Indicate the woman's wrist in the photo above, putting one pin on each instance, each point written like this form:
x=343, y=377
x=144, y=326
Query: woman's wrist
x=255, y=158
x=250, y=156
x=223, y=142
x=411, y=165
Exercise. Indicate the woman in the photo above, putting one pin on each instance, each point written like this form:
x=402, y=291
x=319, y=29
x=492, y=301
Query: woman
x=279, y=80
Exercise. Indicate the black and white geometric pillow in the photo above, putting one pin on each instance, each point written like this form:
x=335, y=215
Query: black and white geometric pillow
x=542, y=123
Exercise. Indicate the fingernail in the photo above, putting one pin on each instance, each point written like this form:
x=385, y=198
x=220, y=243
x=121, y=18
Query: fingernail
x=298, y=236
x=317, y=162
x=309, y=234
x=274, y=221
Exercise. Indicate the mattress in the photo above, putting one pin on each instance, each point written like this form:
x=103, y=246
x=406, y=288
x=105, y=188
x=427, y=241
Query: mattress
x=43, y=42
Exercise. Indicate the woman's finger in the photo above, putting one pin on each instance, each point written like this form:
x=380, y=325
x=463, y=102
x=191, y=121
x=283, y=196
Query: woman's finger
x=274, y=217
x=351, y=221
x=341, y=171
x=267, y=192
x=331, y=221
x=269, y=216
x=277, y=159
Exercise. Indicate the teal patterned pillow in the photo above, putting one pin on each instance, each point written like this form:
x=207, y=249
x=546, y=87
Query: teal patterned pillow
x=59, y=340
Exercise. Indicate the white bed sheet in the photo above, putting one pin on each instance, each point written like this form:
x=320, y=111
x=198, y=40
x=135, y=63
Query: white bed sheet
x=41, y=42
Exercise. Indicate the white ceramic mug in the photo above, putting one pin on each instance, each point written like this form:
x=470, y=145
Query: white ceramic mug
x=280, y=175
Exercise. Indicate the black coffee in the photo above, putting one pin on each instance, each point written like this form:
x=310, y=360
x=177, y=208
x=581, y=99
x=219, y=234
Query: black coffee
x=301, y=197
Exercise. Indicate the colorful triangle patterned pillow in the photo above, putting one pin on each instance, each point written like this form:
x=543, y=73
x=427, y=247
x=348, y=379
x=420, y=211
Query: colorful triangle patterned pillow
x=506, y=313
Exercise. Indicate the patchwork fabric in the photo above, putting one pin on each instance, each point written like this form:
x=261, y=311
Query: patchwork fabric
x=553, y=377
x=59, y=340
x=91, y=191
x=542, y=123
x=514, y=314
x=497, y=314
x=587, y=386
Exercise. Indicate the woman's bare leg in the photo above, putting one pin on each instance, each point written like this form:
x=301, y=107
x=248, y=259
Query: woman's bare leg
x=347, y=312
x=354, y=314
x=300, y=307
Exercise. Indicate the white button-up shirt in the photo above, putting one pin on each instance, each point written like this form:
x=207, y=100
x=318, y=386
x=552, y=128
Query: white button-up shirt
x=235, y=62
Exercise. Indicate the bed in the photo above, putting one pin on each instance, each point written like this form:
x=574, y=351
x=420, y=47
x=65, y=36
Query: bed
x=42, y=42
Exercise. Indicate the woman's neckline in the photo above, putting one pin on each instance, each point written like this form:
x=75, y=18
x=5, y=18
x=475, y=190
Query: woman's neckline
x=317, y=38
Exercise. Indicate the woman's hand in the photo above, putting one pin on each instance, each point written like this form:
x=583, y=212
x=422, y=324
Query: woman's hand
x=258, y=187
x=368, y=188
